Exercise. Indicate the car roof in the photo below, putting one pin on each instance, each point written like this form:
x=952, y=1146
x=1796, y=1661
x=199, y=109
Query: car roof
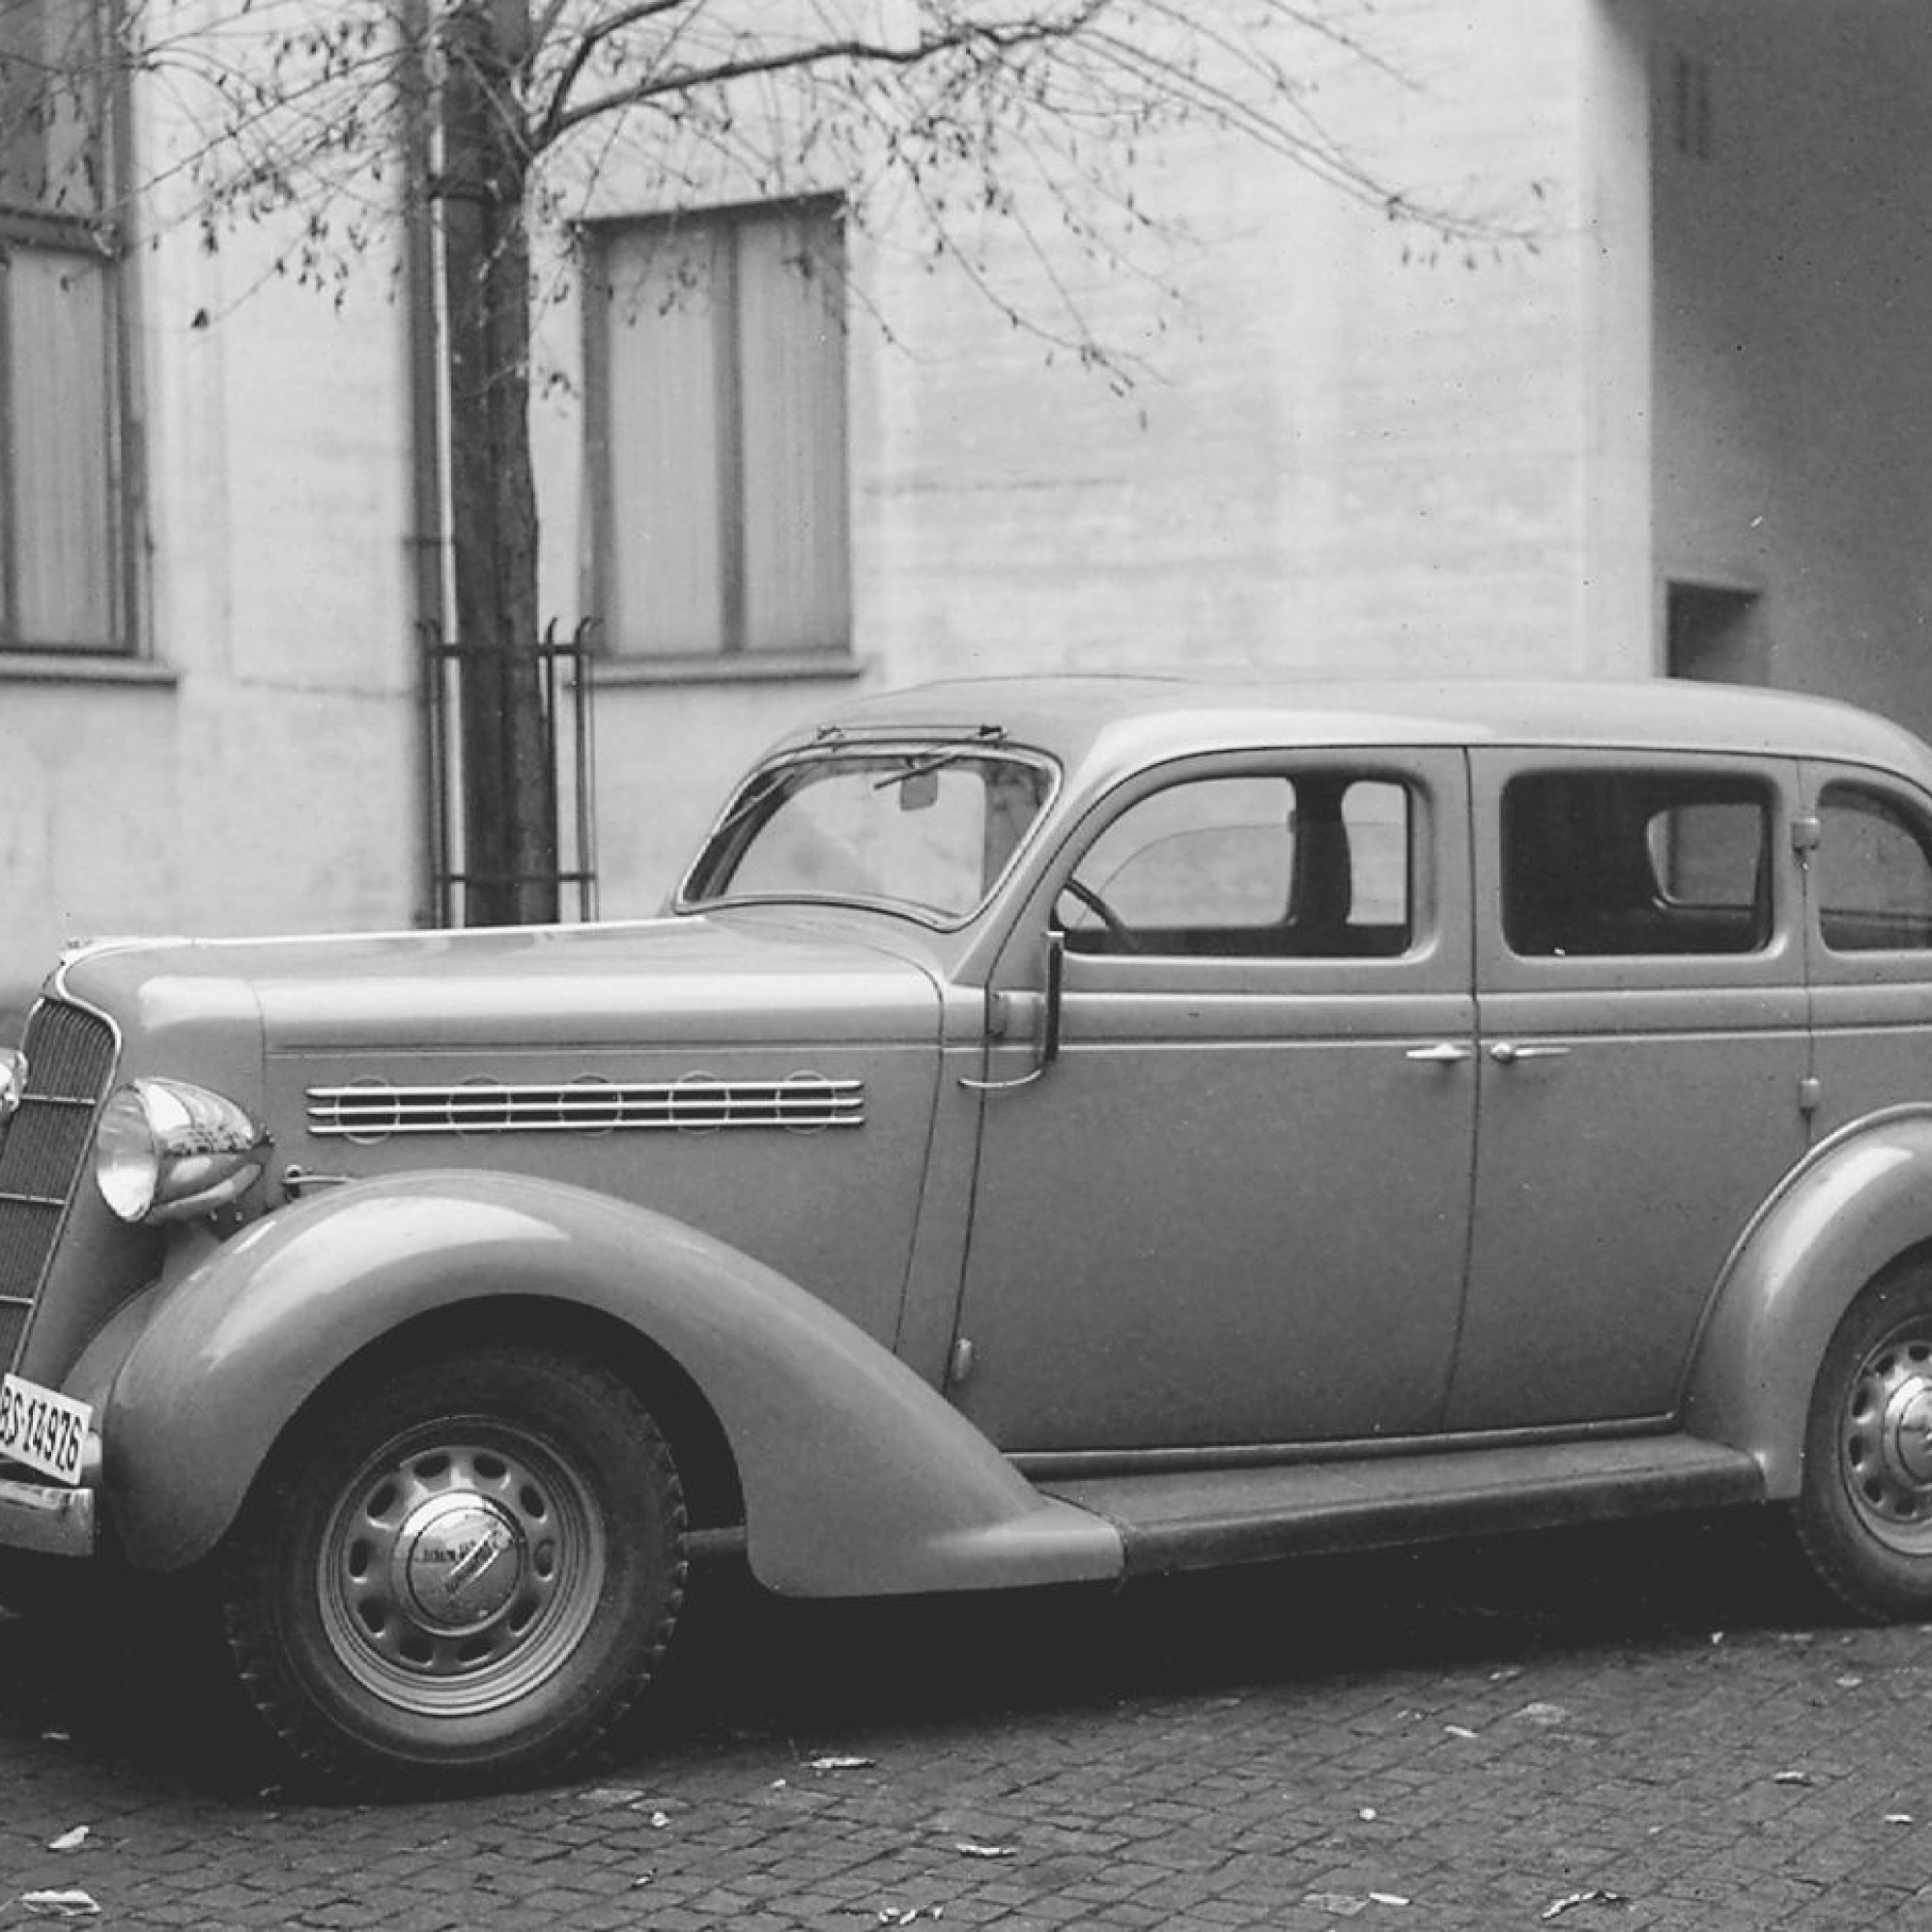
x=1143, y=716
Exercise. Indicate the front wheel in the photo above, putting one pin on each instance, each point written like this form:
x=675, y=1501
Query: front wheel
x=1864, y=1511
x=463, y=1572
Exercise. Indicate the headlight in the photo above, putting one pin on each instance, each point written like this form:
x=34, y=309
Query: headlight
x=166, y=1150
x=12, y=1083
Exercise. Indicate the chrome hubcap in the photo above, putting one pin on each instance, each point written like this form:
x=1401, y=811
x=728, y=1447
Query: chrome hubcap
x=457, y=1574
x=1886, y=1443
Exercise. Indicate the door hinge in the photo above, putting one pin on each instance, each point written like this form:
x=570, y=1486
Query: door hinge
x=1811, y=1094
x=959, y=1364
x=1805, y=832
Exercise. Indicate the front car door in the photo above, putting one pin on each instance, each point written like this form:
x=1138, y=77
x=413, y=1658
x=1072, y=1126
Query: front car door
x=1643, y=1057
x=1234, y=1209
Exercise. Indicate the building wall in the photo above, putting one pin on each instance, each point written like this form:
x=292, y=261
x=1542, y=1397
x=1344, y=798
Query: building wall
x=1794, y=272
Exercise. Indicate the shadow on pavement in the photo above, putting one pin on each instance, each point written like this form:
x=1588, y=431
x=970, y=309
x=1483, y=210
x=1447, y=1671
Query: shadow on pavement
x=746, y=1663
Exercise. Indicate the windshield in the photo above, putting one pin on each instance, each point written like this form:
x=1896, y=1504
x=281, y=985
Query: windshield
x=924, y=828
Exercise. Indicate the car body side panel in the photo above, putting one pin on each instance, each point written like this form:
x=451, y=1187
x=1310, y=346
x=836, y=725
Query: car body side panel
x=858, y=1478
x=1861, y=1201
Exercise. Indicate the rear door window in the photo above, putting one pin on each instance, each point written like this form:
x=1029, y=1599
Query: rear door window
x=1609, y=863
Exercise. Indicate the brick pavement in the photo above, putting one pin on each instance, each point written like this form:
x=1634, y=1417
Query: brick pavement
x=1646, y=1724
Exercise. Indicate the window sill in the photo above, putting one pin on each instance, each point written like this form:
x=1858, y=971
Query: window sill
x=750, y=667
x=79, y=667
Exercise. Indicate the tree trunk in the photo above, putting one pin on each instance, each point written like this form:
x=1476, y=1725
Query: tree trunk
x=509, y=788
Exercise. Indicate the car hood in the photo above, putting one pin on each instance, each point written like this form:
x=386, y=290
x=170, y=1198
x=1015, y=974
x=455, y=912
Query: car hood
x=660, y=982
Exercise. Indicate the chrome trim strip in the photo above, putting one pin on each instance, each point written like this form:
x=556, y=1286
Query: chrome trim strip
x=49, y=1517
x=800, y=1102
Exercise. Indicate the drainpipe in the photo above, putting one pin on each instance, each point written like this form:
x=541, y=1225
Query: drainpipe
x=428, y=536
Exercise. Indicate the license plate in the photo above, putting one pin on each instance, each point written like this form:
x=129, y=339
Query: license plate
x=43, y=1429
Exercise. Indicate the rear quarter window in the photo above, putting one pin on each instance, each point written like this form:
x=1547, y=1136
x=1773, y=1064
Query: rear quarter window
x=1873, y=872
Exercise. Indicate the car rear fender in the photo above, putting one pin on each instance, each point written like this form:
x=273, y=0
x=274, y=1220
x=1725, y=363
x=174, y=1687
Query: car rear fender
x=858, y=1477
x=1860, y=1203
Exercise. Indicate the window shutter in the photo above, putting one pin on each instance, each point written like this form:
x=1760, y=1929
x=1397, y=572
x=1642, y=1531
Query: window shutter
x=792, y=386
x=59, y=449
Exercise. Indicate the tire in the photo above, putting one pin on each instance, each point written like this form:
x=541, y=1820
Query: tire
x=1864, y=1508
x=362, y=1623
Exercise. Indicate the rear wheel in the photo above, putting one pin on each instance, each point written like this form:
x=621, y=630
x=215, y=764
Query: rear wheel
x=1865, y=1512
x=463, y=1572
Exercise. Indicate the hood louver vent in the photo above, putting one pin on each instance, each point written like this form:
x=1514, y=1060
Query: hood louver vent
x=368, y=1111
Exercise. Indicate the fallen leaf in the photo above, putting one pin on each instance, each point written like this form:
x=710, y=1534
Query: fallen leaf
x=1459, y=1731
x=659, y=1820
x=1544, y=1714
x=1850, y=1682
x=1387, y=1898
x=1898, y=1817
x=1571, y=1899
x=968, y=1849
x=74, y=1904
x=69, y=1842
x=842, y=1762
x=1793, y=1777
x=1341, y=1903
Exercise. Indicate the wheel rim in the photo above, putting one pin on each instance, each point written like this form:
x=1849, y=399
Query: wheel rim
x=460, y=1569
x=1885, y=1443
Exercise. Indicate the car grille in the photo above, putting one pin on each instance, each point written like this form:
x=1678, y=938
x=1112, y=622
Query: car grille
x=70, y=1062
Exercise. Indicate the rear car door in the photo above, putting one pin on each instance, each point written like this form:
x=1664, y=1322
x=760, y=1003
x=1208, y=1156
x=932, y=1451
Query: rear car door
x=1644, y=1049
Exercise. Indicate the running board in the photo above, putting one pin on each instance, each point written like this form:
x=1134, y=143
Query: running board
x=1196, y=1519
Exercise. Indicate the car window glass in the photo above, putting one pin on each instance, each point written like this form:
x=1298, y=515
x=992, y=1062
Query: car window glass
x=1602, y=862
x=929, y=828
x=1312, y=865
x=1873, y=873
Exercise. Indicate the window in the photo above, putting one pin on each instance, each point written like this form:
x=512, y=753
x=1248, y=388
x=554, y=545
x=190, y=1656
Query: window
x=1614, y=863
x=1312, y=867
x=717, y=361
x=926, y=828
x=63, y=549
x=1874, y=873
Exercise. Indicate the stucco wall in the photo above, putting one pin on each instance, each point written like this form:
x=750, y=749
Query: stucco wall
x=1794, y=274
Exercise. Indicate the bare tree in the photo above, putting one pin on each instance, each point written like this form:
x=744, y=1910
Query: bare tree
x=947, y=120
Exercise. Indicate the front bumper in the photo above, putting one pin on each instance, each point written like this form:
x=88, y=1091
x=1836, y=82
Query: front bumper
x=51, y=1519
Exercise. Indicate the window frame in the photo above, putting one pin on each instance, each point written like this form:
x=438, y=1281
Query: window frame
x=737, y=653
x=97, y=235
x=1437, y=958
x=1501, y=969
x=1863, y=963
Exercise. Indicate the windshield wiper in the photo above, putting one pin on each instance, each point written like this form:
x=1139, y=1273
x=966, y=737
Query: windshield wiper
x=917, y=768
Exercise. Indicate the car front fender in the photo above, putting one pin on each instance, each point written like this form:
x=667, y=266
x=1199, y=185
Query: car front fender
x=858, y=1477
x=1859, y=1203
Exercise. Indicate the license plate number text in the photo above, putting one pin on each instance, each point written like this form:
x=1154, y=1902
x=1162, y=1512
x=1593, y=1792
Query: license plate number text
x=43, y=1429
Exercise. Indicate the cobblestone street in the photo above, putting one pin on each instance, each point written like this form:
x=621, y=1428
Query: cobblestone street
x=1638, y=1728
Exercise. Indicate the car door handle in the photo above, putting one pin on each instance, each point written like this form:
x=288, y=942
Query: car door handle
x=1507, y=1052
x=1445, y=1053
